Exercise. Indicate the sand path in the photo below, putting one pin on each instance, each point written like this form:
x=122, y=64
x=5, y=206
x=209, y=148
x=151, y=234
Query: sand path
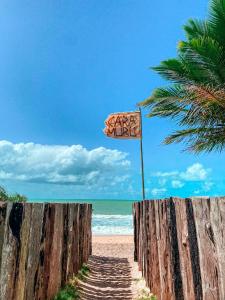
x=113, y=274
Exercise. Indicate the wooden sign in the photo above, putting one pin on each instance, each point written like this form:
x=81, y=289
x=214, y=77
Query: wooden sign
x=125, y=125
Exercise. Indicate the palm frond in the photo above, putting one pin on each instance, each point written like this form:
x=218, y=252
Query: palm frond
x=182, y=70
x=196, y=97
x=166, y=102
x=207, y=55
x=172, y=69
x=199, y=139
x=197, y=29
x=217, y=19
x=206, y=95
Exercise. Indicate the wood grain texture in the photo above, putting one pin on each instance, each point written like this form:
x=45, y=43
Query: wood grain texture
x=41, y=247
x=180, y=247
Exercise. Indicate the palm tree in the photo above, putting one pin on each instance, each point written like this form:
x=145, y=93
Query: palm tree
x=196, y=97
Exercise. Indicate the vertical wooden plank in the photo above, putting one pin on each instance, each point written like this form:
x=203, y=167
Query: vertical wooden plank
x=81, y=235
x=23, y=249
x=90, y=229
x=194, y=250
x=153, y=268
x=76, y=238
x=175, y=257
x=55, y=257
x=3, y=207
x=165, y=250
x=140, y=246
x=70, y=232
x=207, y=249
x=159, y=227
x=217, y=218
x=85, y=236
x=184, y=248
x=143, y=204
x=138, y=228
x=33, y=258
x=135, y=230
x=147, y=241
x=66, y=244
x=42, y=272
x=11, y=249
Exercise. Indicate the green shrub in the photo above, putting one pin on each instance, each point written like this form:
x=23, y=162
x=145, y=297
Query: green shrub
x=147, y=298
x=4, y=196
x=17, y=198
x=69, y=292
x=84, y=271
x=145, y=295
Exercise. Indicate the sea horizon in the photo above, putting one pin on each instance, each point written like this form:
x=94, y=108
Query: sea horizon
x=73, y=199
x=107, y=218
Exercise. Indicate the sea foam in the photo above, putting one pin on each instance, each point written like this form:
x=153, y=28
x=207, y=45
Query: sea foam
x=112, y=224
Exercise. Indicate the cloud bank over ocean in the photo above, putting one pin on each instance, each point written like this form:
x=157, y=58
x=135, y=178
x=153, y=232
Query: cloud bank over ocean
x=75, y=172
x=58, y=164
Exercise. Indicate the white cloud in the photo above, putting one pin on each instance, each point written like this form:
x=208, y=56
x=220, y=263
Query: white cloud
x=162, y=181
x=158, y=191
x=196, y=172
x=177, y=184
x=207, y=186
x=166, y=174
x=62, y=164
x=197, y=192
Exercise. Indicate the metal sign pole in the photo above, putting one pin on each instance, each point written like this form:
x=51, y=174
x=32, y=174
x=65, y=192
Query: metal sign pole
x=142, y=161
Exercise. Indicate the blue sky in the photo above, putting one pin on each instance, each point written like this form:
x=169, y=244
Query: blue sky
x=64, y=66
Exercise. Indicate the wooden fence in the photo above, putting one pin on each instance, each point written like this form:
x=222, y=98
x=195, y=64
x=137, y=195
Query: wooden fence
x=41, y=247
x=180, y=247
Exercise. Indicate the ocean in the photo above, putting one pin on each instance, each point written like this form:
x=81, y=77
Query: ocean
x=110, y=217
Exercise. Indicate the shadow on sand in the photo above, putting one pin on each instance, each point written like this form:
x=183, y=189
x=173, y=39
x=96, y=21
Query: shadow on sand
x=109, y=278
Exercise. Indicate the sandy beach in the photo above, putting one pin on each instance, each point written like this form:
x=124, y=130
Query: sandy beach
x=113, y=273
x=113, y=246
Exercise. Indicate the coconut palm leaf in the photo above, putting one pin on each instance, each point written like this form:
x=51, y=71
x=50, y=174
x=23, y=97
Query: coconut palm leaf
x=197, y=29
x=199, y=139
x=179, y=71
x=207, y=55
x=217, y=19
x=196, y=97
